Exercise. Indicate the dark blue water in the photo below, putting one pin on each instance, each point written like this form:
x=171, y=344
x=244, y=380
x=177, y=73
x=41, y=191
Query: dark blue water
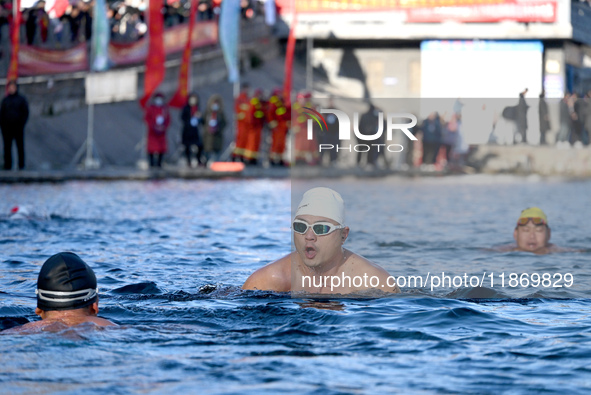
x=171, y=256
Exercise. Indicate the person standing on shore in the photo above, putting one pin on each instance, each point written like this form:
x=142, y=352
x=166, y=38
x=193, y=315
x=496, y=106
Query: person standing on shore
x=14, y=113
x=566, y=121
x=213, y=131
x=278, y=119
x=192, y=121
x=544, y=118
x=242, y=117
x=158, y=119
x=254, y=136
x=521, y=118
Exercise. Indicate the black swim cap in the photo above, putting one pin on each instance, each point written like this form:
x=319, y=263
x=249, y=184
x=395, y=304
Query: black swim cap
x=66, y=282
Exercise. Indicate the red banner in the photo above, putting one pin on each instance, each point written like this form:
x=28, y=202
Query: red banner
x=204, y=33
x=307, y=6
x=36, y=61
x=156, y=55
x=180, y=97
x=432, y=11
x=175, y=39
x=127, y=54
x=289, y=61
x=15, y=41
x=518, y=12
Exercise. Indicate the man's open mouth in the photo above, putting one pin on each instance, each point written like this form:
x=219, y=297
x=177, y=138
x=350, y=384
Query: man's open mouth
x=310, y=252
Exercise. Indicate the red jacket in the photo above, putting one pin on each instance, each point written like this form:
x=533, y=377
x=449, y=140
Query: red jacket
x=158, y=119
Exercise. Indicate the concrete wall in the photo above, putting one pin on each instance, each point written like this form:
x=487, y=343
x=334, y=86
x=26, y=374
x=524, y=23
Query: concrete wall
x=546, y=161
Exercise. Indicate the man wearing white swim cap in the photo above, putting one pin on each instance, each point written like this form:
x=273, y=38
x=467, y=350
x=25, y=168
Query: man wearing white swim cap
x=320, y=264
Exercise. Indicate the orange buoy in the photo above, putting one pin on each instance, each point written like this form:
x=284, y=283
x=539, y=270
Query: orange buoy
x=227, y=166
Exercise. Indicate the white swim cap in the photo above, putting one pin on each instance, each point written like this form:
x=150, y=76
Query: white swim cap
x=323, y=202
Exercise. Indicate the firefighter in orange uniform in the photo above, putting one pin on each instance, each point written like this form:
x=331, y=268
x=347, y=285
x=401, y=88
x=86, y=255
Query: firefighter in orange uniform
x=305, y=151
x=278, y=120
x=255, y=131
x=242, y=114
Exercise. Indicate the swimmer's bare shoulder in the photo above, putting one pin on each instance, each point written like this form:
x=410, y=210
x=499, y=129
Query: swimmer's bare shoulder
x=356, y=265
x=550, y=249
x=276, y=276
x=503, y=248
x=56, y=325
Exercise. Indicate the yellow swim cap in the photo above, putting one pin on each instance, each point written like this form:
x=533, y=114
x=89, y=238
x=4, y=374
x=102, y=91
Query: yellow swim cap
x=533, y=212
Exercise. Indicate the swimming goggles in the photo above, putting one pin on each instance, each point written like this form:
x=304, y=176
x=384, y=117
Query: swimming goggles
x=63, y=297
x=319, y=228
x=535, y=220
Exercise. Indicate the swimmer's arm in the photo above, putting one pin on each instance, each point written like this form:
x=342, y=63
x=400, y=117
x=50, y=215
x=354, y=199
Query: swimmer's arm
x=275, y=276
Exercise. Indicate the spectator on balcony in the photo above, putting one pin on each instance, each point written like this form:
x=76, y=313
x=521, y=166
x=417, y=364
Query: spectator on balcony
x=5, y=17
x=36, y=20
x=204, y=10
x=173, y=13
x=70, y=18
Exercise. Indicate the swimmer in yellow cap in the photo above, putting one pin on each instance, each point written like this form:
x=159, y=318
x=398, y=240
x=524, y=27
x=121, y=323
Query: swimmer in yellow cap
x=532, y=234
x=320, y=264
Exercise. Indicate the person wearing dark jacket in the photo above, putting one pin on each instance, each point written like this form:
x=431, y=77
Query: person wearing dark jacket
x=566, y=120
x=544, y=118
x=192, y=120
x=587, y=122
x=432, y=132
x=14, y=113
x=213, y=131
x=580, y=110
x=369, y=124
x=521, y=118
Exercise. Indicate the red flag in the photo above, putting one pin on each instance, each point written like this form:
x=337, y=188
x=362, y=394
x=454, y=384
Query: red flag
x=156, y=56
x=180, y=97
x=15, y=40
x=289, y=60
x=58, y=8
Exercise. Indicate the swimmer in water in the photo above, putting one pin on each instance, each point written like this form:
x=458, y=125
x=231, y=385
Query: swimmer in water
x=532, y=234
x=320, y=261
x=67, y=295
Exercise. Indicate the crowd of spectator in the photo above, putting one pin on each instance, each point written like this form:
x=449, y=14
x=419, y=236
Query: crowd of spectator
x=575, y=119
x=68, y=23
